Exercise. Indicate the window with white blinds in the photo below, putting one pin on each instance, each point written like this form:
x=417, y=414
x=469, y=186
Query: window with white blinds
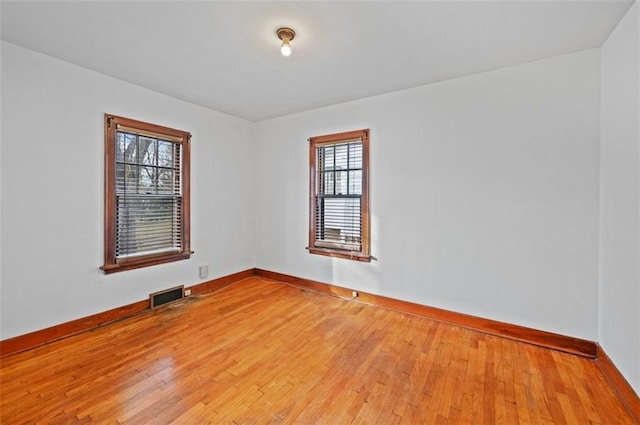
x=147, y=190
x=148, y=195
x=339, y=212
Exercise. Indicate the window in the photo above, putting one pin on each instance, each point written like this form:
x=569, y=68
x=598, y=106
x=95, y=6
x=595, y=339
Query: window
x=339, y=195
x=146, y=217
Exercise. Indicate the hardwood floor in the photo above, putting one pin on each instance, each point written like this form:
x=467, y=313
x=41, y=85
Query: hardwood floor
x=264, y=352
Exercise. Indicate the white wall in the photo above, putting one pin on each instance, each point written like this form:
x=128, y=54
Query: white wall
x=0, y=191
x=52, y=191
x=619, y=287
x=484, y=194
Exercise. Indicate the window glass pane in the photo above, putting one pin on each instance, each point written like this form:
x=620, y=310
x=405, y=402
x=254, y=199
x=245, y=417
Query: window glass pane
x=166, y=182
x=131, y=178
x=130, y=148
x=119, y=178
x=165, y=153
x=339, y=220
x=148, y=150
x=355, y=182
x=355, y=155
x=148, y=180
x=328, y=181
x=146, y=225
x=119, y=147
x=341, y=183
x=341, y=157
x=327, y=155
x=143, y=142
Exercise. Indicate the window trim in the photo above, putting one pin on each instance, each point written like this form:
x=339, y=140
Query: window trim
x=315, y=247
x=111, y=264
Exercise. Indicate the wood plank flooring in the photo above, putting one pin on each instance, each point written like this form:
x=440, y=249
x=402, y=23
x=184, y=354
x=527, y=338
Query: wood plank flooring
x=263, y=352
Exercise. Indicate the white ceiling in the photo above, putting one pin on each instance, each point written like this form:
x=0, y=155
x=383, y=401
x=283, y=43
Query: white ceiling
x=225, y=56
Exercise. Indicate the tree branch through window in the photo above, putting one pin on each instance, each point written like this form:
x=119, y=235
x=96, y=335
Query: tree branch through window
x=146, y=194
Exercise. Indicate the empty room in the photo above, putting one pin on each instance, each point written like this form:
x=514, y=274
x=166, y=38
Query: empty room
x=331, y=212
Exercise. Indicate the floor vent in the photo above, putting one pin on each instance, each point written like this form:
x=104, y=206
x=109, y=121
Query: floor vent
x=167, y=296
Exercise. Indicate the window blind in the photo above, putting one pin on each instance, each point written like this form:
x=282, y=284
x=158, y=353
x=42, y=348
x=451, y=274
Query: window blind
x=149, y=203
x=338, y=196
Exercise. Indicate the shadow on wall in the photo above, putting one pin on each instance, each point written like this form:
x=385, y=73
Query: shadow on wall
x=360, y=275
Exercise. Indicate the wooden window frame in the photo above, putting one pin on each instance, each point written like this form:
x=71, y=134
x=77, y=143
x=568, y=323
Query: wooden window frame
x=324, y=248
x=111, y=263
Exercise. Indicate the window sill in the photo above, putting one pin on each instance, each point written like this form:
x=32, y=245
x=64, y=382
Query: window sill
x=147, y=261
x=337, y=253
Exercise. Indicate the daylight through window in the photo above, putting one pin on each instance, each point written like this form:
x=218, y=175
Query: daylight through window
x=339, y=210
x=147, y=194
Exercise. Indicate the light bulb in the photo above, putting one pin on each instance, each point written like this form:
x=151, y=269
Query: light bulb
x=286, y=35
x=285, y=49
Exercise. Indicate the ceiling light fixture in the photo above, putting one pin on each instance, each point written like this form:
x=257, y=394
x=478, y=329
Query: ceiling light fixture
x=286, y=35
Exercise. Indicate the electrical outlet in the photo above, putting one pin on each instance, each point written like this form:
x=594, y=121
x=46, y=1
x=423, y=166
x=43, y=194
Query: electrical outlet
x=354, y=294
x=204, y=272
x=187, y=292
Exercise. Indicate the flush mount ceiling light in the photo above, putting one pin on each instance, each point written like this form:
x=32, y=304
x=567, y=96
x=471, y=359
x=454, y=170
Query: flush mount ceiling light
x=286, y=35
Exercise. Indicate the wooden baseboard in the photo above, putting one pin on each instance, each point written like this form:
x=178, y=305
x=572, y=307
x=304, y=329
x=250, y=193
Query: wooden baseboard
x=63, y=330
x=221, y=282
x=519, y=333
x=554, y=341
x=624, y=390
